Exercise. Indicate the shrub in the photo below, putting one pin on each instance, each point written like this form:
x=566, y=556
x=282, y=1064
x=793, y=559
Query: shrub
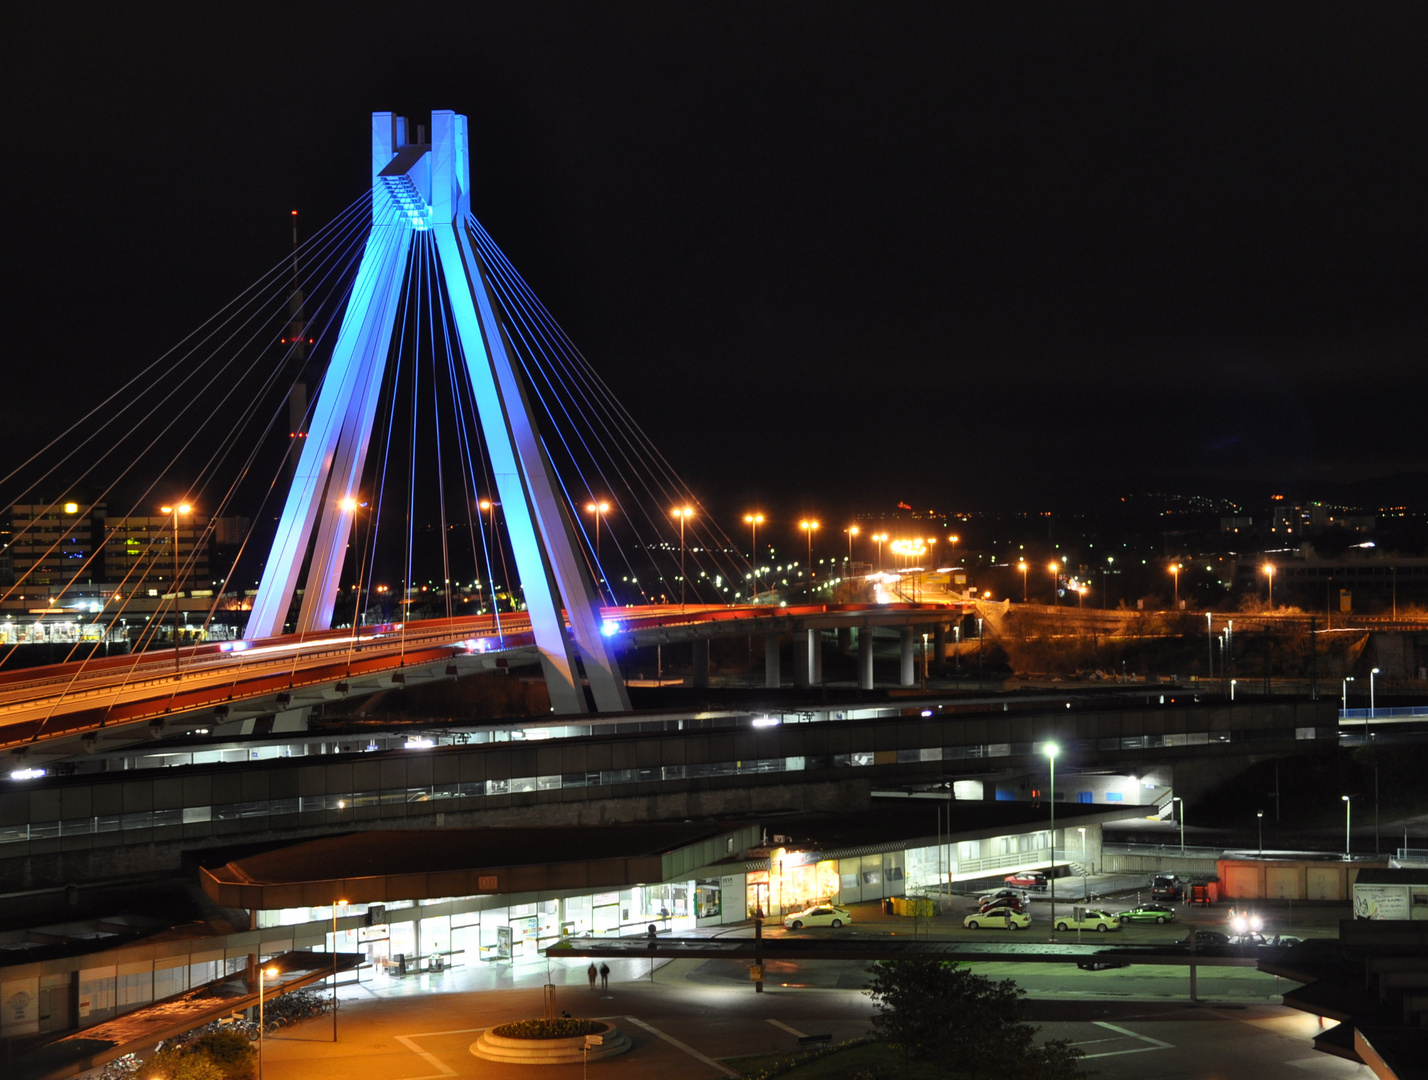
x=564, y=1027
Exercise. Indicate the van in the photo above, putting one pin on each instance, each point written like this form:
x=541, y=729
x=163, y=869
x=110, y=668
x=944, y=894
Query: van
x=1168, y=887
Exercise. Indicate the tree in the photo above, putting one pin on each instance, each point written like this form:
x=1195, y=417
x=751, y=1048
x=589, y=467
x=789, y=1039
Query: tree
x=221, y=1055
x=938, y=1011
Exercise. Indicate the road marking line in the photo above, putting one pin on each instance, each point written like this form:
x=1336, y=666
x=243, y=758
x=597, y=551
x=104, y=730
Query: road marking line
x=430, y=1059
x=682, y=1046
x=1155, y=1044
x=790, y=1030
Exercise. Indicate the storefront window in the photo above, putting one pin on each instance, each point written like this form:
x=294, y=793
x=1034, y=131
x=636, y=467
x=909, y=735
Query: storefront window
x=707, y=903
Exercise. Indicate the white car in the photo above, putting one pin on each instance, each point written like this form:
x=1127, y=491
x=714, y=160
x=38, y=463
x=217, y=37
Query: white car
x=818, y=915
x=1101, y=921
x=999, y=918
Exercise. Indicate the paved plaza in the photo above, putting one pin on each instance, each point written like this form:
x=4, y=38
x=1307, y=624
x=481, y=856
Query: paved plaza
x=688, y=1018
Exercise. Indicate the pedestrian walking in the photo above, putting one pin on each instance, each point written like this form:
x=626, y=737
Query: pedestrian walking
x=590, y=974
x=604, y=976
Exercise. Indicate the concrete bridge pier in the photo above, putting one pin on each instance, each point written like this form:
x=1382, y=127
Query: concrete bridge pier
x=701, y=662
x=815, y=655
x=805, y=659
x=865, y=657
x=908, y=656
x=772, y=676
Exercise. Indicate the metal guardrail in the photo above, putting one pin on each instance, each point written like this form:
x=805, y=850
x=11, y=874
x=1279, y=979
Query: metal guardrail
x=1163, y=849
x=1383, y=714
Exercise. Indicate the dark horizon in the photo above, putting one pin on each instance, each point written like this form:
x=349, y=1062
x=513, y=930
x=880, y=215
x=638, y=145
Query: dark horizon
x=831, y=258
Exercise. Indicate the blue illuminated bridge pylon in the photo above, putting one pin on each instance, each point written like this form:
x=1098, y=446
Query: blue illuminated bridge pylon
x=418, y=187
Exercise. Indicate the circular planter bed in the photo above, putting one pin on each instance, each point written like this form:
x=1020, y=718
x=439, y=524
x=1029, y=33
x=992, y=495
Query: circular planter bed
x=549, y=1042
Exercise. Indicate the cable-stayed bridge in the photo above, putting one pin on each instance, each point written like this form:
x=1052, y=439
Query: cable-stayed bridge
x=456, y=436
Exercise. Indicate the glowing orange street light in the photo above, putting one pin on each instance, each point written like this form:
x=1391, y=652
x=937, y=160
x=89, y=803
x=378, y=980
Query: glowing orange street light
x=880, y=538
x=753, y=520
x=852, y=531
x=1023, y=568
x=599, y=509
x=683, y=513
x=1055, y=568
x=181, y=508
x=1269, y=573
x=1175, y=572
x=809, y=527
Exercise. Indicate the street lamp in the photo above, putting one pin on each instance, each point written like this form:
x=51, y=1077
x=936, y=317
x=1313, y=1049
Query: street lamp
x=1051, y=750
x=1055, y=567
x=1344, y=694
x=1175, y=573
x=176, y=510
x=599, y=509
x=1210, y=640
x=809, y=527
x=683, y=513
x=753, y=521
x=881, y=538
x=1269, y=573
x=1022, y=567
x=852, y=531
x=488, y=507
x=1371, y=702
x=335, y=905
x=1348, y=811
x=1181, y=815
x=1260, y=815
x=261, y=973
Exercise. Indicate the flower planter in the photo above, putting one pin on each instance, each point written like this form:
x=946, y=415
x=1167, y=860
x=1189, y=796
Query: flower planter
x=566, y=1051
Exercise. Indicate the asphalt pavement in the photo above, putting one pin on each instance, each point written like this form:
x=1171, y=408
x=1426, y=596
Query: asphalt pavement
x=691, y=1018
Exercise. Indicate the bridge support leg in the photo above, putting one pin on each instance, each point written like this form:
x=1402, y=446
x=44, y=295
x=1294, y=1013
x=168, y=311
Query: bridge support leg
x=803, y=659
x=815, y=656
x=908, y=656
x=701, y=662
x=865, y=657
x=772, y=678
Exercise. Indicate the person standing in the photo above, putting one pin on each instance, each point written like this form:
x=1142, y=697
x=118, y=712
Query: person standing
x=604, y=976
x=590, y=974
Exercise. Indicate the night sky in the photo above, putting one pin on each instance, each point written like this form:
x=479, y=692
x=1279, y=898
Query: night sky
x=832, y=255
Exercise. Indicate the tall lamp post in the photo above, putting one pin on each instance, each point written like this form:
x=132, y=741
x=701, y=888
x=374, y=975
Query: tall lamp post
x=488, y=508
x=852, y=531
x=261, y=972
x=1269, y=573
x=753, y=521
x=599, y=509
x=1181, y=815
x=1260, y=815
x=335, y=905
x=1348, y=832
x=1022, y=567
x=881, y=539
x=683, y=513
x=1344, y=694
x=1175, y=573
x=809, y=526
x=176, y=510
x=1051, y=751
x=1055, y=568
x=1371, y=700
x=1210, y=640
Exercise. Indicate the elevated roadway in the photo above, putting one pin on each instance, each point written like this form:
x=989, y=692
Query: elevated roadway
x=62, y=708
